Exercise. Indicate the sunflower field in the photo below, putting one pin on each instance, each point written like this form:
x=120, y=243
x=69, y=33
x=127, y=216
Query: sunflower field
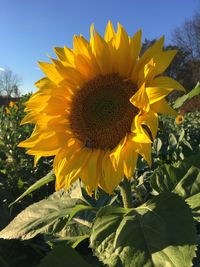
x=101, y=165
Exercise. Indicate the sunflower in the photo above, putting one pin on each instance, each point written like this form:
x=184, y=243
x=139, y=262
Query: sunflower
x=97, y=107
x=179, y=119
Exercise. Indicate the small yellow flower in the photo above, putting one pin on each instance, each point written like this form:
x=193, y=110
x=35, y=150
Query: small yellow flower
x=97, y=107
x=179, y=119
x=7, y=110
x=11, y=104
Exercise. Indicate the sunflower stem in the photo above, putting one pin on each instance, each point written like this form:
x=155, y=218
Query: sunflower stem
x=125, y=188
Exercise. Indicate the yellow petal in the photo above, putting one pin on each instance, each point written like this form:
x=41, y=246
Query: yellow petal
x=36, y=159
x=140, y=137
x=163, y=108
x=45, y=83
x=115, y=153
x=147, y=56
x=140, y=99
x=145, y=151
x=102, y=53
x=60, y=52
x=84, y=54
x=75, y=166
x=109, y=32
x=152, y=51
x=34, y=138
x=68, y=73
x=90, y=174
x=129, y=158
x=51, y=72
x=167, y=82
x=37, y=101
x=64, y=155
x=157, y=93
x=81, y=46
x=91, y=32
x=62, y=159
x=135, y=48
x=58, y=105
x=110, y=177
x=30, y=118
x=146, y=73
x=162, y=61
x=69, y=56
x=122, y=56
x=84, y=67
x=138, y=133
x=150, y=119
x=48, y=146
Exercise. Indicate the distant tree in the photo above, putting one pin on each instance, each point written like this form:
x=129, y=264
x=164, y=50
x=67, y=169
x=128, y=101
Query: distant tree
x=187, y=37
x=184, y=69
x=9, y=83
x=187, y=62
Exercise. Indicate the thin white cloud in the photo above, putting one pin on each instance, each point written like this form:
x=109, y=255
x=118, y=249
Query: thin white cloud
x=2, y=69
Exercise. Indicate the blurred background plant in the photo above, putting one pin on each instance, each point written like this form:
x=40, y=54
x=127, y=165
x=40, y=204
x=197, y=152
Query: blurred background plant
x=16, y=175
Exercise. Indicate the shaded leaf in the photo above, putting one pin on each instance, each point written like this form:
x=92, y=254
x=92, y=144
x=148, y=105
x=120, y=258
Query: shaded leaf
x=181, y=100
x=44, y=180
x=46, y=216
x=158, y=233
x=63, y=256
x=181, y=178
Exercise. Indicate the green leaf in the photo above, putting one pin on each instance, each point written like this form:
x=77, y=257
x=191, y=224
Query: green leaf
x=194, y=203
x=157, y=144
x=181, y=135
x=181, y=100
x=72, y=232
x=46, y=216
x=44, y=180
x=181, y=178
x=63, y=256
x=189, y=185
x=79, y=208
x=166, y=177
x=172, y=140
x=195, y=91
x=161, y=232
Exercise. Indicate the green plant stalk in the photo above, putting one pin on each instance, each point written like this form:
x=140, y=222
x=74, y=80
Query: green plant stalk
x=125, y=188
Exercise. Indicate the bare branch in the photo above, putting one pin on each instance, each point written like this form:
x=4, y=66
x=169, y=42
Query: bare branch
x=9, y=83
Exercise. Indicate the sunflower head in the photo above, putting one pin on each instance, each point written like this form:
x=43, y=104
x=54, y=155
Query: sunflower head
x=179, y=119
x=97, y=107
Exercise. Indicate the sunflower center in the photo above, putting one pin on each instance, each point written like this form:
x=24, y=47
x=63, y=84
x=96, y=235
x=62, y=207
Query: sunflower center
x=101, y=113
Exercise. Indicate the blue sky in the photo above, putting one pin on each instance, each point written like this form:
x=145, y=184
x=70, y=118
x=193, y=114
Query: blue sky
x=29, y=29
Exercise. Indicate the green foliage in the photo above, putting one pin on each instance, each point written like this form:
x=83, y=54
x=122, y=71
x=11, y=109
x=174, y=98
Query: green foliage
x=182, y=99
x=176, y=142
x=157, y=233
x=16, y=168
x=63, y=256
x=167, y=177
x=67, y=228
x=16, y=175
x=43, y=181
x=46, y=216
x=182, y=178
